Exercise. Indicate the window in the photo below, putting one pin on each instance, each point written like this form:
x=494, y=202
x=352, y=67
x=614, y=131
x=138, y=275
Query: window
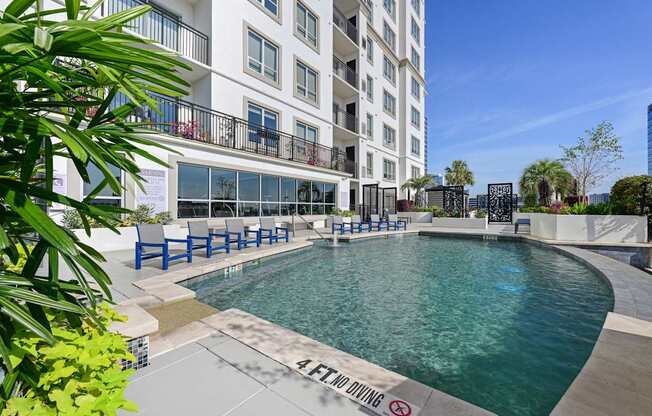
x=106, y=196
x=415, y=118
x=307, y=24
x=389, y=170
x=416, y=172
x=370, y=126
x=269, y=6
x=216, y=192
x=370, y=165
x=370, y=50
x=262, y=58
x=306, y=82
x=416, y=146
x=415, y=59
x=370, y=88
x=390, y=6
x=389, y=137
x=389, y=70
x=268, y=119
x=389, y=103
x=306, y=132
x=416, y=89
x=389, y=36
x=416, y=31
x=416, y=5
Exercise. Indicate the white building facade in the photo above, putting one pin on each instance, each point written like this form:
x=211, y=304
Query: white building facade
x=295, y=106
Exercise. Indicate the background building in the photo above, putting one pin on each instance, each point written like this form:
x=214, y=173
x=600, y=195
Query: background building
x=599, y=198
x=438, y=179
x=295, y=106
x=649, y=139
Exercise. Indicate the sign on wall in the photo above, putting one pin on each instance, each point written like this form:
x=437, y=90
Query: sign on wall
x=155, y=189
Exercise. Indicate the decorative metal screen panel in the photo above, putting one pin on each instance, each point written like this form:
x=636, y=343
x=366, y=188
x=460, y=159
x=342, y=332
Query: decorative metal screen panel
x=454, y=201
x=500, y=202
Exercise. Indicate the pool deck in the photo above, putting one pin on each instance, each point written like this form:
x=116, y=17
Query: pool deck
x=237, y=364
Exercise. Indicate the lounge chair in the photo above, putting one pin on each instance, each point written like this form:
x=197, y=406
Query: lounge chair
x=338, y=224
x=394, y=222
x=152, y=243
x=268, y=229
x=235, y=228
x=359, y=225
x=521, y=221
x=376, y=221
x=198, y=230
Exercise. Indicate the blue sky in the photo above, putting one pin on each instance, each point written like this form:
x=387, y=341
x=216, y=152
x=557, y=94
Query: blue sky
x=510, y=80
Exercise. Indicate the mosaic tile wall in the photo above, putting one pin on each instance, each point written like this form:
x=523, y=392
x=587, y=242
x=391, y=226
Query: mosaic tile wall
x=139, y=347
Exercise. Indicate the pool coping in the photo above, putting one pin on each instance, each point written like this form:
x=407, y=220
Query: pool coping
x=631, y=288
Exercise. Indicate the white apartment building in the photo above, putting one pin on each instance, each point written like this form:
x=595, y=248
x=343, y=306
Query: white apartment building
x=295, y=106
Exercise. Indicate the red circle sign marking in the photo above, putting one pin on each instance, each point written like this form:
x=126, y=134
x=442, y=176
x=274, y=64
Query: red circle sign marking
x=400, y=408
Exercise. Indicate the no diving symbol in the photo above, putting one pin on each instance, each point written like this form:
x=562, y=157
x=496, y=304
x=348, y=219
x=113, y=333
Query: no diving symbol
x=400, y=408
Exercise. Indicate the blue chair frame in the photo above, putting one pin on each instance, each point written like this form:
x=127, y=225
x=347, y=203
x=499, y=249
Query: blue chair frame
x=208, y=242
x=397, y=224
x=341, y=228
x=165, y=250
x=272, y=234
x=242, y=237
x=378, y=224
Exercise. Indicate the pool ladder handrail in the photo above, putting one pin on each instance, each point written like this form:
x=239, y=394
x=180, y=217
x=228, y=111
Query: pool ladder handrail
x=309, y=225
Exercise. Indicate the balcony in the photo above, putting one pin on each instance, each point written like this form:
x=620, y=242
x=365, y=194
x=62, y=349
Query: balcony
x=346, y=125
x=200, y=124
x=345, y=34
x=164, y=28
x=345, y=81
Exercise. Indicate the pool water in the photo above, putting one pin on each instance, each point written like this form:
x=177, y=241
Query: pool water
x=505, y=325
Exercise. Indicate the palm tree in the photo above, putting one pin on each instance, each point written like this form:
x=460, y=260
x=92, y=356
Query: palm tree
x=418, y=183
x=544, y=178
x=459, y=174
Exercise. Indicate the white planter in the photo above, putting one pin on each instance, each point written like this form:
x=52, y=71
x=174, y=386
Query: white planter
x=471, y=223
x=417, y=217
x=103, y=239
x=588, y=228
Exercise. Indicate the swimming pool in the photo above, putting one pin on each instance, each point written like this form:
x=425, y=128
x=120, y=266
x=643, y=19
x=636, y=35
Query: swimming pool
x=506, y=325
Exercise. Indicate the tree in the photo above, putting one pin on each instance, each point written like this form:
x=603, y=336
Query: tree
x=59, y=73
x=459, y=174
x=418, y=183
x=543, y=178
x=593, y=159
x=627, y=194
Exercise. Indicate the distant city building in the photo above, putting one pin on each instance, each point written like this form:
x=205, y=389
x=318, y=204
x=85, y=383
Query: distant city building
x=473, y=203
x=599, y=198
x=438, y=179
x=649, y=139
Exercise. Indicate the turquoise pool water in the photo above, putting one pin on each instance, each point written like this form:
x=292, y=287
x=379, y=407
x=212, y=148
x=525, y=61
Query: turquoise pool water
x=504, y=325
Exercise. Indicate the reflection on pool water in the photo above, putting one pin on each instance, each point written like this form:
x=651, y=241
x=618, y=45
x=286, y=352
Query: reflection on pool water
x=505, y=325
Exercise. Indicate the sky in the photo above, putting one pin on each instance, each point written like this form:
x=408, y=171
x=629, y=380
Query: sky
x=509, y=81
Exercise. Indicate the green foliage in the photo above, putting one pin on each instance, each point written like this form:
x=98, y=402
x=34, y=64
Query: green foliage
x=72, y=220
x=535, y=210
x=418, y=184
x=79, y=374
x=599, y=209
x=438, y=212
x=594, y=158
x=480, y=213
x=143, y=214
x=626, y=193
x=420, y=209
x=165, y=218
x=459, y=174
x=17, y=266
x=542, y=179
x=342, y=213
x=57, y=81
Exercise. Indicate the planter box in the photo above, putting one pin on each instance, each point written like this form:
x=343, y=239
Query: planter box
x=471, y=223
x=589, y=228
x=417, y=217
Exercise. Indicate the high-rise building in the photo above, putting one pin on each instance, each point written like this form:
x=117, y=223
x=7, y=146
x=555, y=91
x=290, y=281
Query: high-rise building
x=649, y=139
x=602, y=198
x=294, y=106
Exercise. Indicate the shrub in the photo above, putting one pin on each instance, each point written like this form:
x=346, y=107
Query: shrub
x=535, y=210
x=481, y=213
x=577, y=209
x=80, y=374
x=625, y=197
x=164, y=218
x=599, y=209
x=141, y=215
x=71, y=219
x=438, y=212
x=342, y=213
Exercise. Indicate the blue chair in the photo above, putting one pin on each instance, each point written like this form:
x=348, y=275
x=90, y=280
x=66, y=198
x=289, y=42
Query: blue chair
x=394, y=222
x=198, y=230
x=338, y=224
x=269, y=230
x=359, y=225
x=152, y=243
x=521, y=221
x=235, y=228
x=376, y=221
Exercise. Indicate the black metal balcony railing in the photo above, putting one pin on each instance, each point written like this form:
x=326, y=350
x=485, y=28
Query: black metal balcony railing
x=343, y=71
x=194, y=122
x=344, y=119
x=344, y=24
x=165, y=28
